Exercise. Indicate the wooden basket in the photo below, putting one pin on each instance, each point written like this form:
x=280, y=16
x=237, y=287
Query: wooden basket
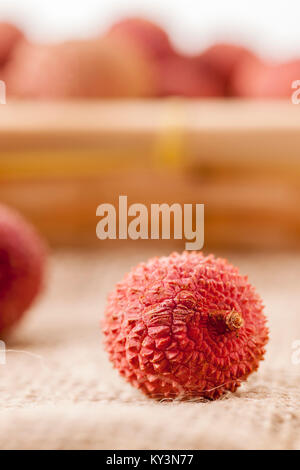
x=59, y=161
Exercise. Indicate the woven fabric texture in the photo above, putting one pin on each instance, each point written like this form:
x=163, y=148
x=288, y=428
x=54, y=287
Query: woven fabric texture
x=58, y=390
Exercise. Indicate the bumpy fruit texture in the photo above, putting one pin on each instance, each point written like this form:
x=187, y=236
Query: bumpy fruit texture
x=99, y=68
x=185, y=326
x=22, y=261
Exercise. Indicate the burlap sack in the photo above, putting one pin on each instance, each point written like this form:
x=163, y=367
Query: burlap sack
x=58, y=390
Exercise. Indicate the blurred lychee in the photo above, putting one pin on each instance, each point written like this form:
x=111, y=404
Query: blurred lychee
x=257, y=79
x=224, y=58
x=184, y=76
x=10, y=35
x=145, y=34
x=99, y=68
x=22, y=265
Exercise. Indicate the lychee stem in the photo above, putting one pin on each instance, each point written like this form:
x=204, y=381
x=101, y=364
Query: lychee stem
x=231, y=319
x=234, y=321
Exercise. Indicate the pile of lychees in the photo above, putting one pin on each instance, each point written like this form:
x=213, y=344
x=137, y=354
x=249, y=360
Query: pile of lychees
x=135, y=58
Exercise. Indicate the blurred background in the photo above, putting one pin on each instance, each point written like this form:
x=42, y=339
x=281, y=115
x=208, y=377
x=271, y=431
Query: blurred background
x=270, y=30
x=160, y=101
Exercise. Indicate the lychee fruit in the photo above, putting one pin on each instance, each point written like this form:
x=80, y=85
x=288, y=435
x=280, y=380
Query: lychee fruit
x=185, y=326
x=183, y=76
x=153, y=44
x=150, y=37
x=224, y=58
x=22, y=265
x=10, y=35
x=258, y=79
x=96, y=68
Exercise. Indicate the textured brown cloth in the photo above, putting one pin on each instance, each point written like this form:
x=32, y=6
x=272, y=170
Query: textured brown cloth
x=58, y=390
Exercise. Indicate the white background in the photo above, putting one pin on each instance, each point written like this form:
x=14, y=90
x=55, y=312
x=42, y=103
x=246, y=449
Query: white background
x=270, y=27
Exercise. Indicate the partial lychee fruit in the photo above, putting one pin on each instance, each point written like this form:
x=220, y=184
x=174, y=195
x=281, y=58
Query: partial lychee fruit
x=150, y=37
x=22, y=264
x=153, y=44
x=184, y=76
x=258, y=79
x=224, y=58
x=185, y=326
x=10, y=35
x=98, y=68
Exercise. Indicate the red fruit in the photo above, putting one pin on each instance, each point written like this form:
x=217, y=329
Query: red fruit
x=224, y=59
x=183, y=76
x=147, y=35
x=101, y=68
x=22, y=261
x=10, y=35
x=256, y=79
x=185, y=326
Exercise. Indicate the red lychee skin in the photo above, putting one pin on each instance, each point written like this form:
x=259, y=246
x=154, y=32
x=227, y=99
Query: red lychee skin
x=183, y=76
x=146, y=34
x=185, y=326
x=154, y=45
x=224, y=58
x=96, y=68
x=22, y=265
x=10, y=35
x=257, y=79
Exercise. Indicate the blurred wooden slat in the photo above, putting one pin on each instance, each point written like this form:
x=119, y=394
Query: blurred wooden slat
x=58, y=161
